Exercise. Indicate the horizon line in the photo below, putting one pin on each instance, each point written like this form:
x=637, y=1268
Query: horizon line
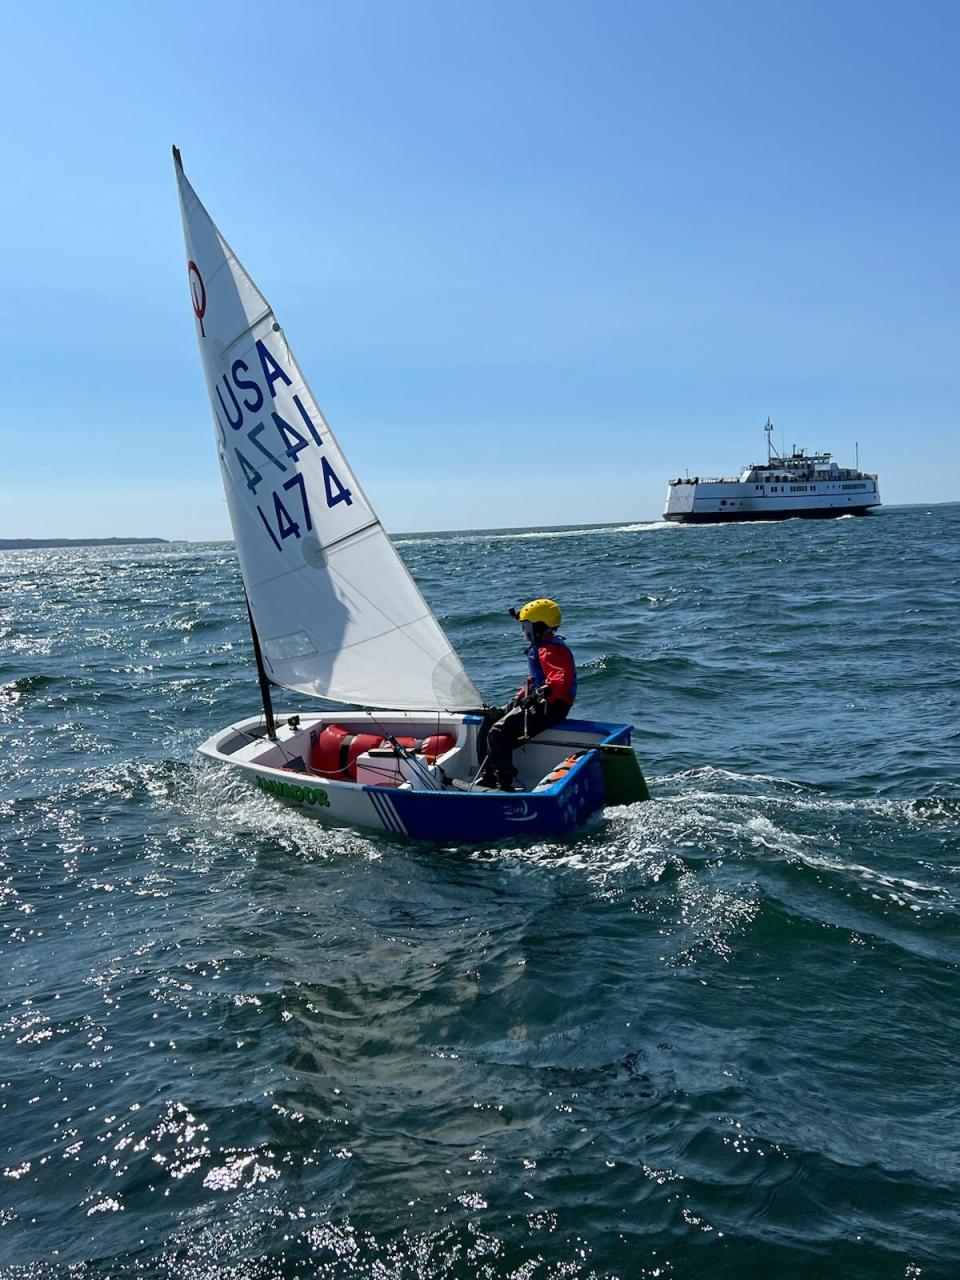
x=5, y=543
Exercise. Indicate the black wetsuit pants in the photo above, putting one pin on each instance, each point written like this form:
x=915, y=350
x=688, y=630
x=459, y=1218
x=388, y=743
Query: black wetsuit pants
x=517, y=723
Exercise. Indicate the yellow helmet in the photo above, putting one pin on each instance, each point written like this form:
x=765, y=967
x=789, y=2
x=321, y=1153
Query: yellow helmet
x=545, y=611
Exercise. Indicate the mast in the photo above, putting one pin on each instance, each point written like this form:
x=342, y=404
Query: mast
x=261, y=670
x=262, y=676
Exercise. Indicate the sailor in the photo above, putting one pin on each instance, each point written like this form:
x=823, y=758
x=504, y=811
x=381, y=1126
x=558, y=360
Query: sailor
x=544, y=698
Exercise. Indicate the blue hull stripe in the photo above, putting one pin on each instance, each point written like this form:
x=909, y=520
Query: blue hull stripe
x=387, y=813
x=375, y=801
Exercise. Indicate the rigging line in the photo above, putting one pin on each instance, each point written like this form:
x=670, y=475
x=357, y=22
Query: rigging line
x=422, y=769
x=383, y=773
x=274, y=742
x=433, y=783
x=344, y=769
x=265, y=737
x=437, y=731
x=614, y=748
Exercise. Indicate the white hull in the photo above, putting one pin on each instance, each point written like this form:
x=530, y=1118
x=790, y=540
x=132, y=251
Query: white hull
x=420, y=799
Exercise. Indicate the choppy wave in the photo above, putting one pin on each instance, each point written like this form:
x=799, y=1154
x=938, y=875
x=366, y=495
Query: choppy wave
x=714, y=1034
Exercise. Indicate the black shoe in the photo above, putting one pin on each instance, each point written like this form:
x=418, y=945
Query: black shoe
x=507, y=784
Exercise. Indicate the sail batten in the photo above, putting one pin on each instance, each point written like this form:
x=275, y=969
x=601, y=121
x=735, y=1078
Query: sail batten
x=337, y=612
x=229, y=346
x=374, y=524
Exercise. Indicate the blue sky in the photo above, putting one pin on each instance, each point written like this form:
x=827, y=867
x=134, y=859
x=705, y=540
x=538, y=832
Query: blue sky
x=535, y=258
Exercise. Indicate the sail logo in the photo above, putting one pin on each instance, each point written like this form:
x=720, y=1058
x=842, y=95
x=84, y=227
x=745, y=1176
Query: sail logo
x=198, y=293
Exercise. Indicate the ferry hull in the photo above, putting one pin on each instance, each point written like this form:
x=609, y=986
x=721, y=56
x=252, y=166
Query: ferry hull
x=798, y=486
x=740, y=517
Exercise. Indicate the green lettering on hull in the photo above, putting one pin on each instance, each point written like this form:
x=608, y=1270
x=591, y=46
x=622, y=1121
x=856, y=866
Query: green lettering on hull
x=293, y=791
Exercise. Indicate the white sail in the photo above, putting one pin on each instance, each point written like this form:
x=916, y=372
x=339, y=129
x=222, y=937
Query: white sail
x=337, y=613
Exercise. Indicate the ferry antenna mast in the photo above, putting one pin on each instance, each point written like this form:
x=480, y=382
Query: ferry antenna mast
x=768, y=428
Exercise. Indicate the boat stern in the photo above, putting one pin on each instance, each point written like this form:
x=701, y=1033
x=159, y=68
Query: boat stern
x=680, y=496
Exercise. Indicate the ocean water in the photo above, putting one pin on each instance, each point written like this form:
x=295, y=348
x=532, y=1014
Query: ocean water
x=715, y=1035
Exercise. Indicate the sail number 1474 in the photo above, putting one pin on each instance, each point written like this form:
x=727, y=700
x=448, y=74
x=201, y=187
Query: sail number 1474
x=272, y=443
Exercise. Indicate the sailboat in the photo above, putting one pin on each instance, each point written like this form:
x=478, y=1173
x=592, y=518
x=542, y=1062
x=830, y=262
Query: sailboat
x=335, y=614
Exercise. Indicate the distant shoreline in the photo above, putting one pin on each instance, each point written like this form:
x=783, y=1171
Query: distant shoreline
x=29, y=544
x=34, y=544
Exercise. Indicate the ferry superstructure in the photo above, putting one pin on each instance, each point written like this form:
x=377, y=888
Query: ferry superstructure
x=805, y=485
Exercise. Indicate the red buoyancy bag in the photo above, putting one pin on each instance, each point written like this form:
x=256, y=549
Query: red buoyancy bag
x=437, y=745
x=334, y=751
x=430, y=747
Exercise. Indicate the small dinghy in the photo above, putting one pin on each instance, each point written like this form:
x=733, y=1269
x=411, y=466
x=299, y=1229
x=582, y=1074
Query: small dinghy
x=335, y=614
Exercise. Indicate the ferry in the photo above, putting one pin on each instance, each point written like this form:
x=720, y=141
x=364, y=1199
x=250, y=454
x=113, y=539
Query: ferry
x=804, y=485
